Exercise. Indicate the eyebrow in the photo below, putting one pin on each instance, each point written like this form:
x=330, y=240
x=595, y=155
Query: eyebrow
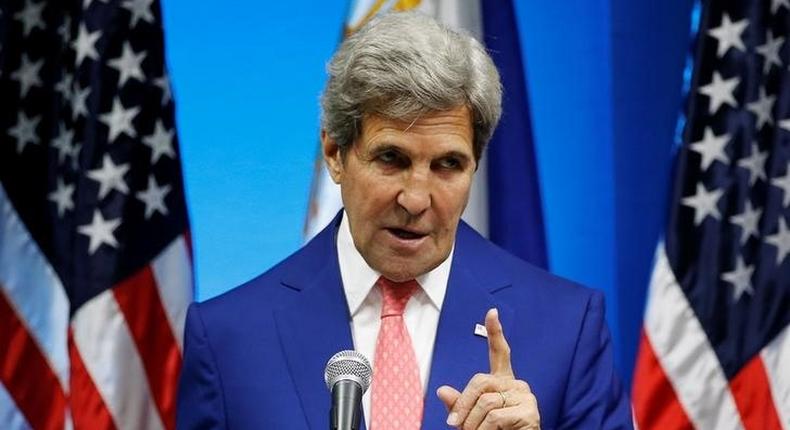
x=457, y=154
x=384, y=146
x=387, y=146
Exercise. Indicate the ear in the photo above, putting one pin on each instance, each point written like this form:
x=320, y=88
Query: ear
x=332, y=156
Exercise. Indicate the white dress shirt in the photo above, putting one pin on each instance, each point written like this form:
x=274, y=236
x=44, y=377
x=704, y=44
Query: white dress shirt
x=364, y=303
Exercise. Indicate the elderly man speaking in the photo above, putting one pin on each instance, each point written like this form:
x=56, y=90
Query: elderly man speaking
x=459, y=332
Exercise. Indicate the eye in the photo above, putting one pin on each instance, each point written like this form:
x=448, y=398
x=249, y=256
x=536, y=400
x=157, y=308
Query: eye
x=388, y=157
x=391, y=158
x=449, y=163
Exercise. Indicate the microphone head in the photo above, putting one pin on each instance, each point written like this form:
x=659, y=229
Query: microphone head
x=348, y=365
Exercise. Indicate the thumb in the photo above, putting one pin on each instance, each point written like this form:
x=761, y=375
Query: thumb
x=448, y=395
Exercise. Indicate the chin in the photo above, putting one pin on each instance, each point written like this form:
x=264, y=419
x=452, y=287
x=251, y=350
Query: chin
x=399, y=274
x=405, y=271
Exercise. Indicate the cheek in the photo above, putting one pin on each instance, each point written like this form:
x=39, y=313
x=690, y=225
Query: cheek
x=378, y=193
x=451, y=199
x=370, y=201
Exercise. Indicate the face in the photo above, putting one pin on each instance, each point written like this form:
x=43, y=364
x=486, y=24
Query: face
x=404, y=186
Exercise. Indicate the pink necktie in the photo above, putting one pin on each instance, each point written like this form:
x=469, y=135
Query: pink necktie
x=396, y=401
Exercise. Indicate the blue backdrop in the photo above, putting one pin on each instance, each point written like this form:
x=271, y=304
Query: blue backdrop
x=604, y=80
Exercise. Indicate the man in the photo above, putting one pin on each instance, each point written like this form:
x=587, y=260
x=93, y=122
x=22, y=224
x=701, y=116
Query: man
x=407, y=111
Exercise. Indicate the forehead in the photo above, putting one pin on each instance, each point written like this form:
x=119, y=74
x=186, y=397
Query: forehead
x=450, y=129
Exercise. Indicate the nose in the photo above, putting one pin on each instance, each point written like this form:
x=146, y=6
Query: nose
x=415, y=197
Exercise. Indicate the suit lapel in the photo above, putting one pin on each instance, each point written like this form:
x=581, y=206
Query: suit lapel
x=315, y=326
x=458, y=353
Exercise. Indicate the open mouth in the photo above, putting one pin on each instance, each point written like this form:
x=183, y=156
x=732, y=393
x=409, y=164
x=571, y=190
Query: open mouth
x=405, y=234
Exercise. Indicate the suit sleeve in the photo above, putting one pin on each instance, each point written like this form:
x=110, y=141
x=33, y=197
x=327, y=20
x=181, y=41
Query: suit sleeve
x=200, y=399
x=594, y=397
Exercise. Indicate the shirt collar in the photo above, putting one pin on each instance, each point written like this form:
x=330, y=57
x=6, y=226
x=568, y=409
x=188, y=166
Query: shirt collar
x=359, y=278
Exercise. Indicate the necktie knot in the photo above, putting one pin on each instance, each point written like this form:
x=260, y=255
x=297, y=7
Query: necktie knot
x=396, y=295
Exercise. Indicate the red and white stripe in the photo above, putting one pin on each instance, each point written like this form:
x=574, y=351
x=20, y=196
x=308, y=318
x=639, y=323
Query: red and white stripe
x=115, y=364
x=34, y=312
x=173, y=275
x=678, y=381
x=776, y=359
x=10, y=415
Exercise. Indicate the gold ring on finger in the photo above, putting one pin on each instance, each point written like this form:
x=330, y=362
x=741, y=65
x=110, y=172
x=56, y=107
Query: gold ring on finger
x=504, y=399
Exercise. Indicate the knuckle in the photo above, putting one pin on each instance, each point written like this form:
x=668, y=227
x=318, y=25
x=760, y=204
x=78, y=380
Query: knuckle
x=522, y=385
x=463, y=406
x=479, y=377
x=490, y=401
x=480, y=380
x=495, y=417
x=466, y=403
x=532, y=414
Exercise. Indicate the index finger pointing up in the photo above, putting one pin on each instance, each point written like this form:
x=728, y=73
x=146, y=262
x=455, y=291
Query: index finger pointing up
x=498, y=348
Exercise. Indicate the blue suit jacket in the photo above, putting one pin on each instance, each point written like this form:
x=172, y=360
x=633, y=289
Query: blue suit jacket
x=254, y=357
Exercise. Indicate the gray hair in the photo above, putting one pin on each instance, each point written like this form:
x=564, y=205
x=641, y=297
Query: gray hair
x=402, y=65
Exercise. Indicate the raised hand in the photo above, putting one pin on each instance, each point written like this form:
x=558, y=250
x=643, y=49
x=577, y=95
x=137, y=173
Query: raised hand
x=495, y=400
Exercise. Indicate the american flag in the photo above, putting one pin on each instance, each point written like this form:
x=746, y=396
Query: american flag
x=715, y=349
x=95, y=262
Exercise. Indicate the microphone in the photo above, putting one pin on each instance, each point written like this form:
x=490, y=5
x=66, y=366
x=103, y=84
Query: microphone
x=347, y=376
